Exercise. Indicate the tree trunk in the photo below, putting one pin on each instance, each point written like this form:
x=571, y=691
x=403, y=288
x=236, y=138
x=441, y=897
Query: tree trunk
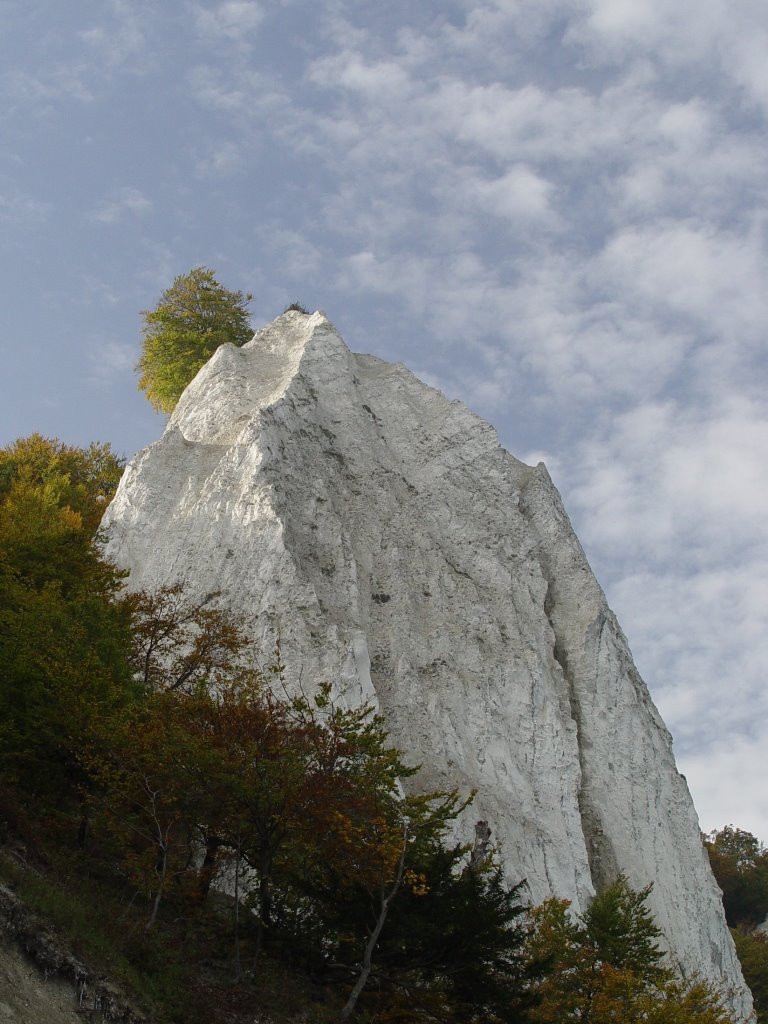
x=386, y=899
x=160, y=887
x=238, y=972
x=265, y=900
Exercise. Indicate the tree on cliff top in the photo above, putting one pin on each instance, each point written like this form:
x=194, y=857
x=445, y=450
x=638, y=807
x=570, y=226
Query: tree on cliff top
x=193, y=318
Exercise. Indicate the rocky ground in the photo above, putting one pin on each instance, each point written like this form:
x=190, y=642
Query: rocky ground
x=41, y=981
x=27, y=996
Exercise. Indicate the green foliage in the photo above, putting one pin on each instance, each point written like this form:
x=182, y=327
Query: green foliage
x=752, y=948
x=456, y=940
x=194, y=317
x=307, y=795
x=144, y=796
x=81, y=479
x=740, y=866
x=606, y=967
x=63, y=634
x=621, y=929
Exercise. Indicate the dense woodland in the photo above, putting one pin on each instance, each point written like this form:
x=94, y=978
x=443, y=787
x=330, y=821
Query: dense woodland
x=225, y=847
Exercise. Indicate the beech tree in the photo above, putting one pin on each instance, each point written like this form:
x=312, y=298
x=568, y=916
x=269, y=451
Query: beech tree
x=607, y=968
x=740, y=866
x=194, y=317
x=144, y=794
x=752, y=948
x=63, y=629
x=81, y=479
x=179, y=644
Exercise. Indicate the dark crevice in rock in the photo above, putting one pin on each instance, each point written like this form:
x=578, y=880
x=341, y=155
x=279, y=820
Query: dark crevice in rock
x=603, y=866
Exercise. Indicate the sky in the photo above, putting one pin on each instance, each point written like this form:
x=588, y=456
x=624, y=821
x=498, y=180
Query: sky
x=554, y=210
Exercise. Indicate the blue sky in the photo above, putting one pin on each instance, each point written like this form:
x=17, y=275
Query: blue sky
x=554, y=210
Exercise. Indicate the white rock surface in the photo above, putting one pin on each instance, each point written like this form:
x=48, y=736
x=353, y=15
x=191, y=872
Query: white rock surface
x=400, y=552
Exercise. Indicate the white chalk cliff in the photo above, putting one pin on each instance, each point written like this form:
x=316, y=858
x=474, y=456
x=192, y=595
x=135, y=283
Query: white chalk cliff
x=400, y=552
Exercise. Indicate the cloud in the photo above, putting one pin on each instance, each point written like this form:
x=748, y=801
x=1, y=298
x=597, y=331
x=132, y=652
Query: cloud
x=296, y=256
x=21, y=210
x=38, y=93
x=677, y=481
x=613, y=151
x=726, y=783
x=691, y=269
x=120, y=40
x=246, y=95
x=51, y=65
x=670, y=502
x=520, y=195
x=232, y=20
x=221, y=158
x=125, y=202
x=110, y=359
x=384, y=82
x=726, y=38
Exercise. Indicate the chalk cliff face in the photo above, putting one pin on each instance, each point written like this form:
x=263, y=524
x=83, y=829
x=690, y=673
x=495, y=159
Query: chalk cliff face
x=401, y=553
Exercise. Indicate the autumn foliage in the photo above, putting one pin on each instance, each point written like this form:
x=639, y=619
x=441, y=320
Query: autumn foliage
x=740, y=866
x=607, y=967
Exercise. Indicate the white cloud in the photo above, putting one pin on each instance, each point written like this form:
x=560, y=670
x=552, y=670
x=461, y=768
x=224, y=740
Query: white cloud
x=58, y=65
x=246, y=95
x=120, y=40
x=210, y=91
x=40, y=92
x=221, y=158
x=297, y=257
x=21, y=210
x=232, y=20
x=748, y=65
x=126, y=201
x=727, y=784
x=110, y=359
x=727, y=36
x=691, y=269
x=383, y=82
x=663, y=482
x=671, y=500
x=518, y=195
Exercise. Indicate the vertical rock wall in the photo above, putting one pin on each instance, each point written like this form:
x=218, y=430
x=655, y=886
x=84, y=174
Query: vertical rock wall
x=402, y=554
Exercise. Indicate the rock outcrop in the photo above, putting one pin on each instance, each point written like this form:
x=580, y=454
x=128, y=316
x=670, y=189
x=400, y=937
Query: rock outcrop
x=399, y=551
x=41, y=980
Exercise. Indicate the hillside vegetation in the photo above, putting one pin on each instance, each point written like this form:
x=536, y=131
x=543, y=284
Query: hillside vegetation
x=227, y=851
x=740, y=865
